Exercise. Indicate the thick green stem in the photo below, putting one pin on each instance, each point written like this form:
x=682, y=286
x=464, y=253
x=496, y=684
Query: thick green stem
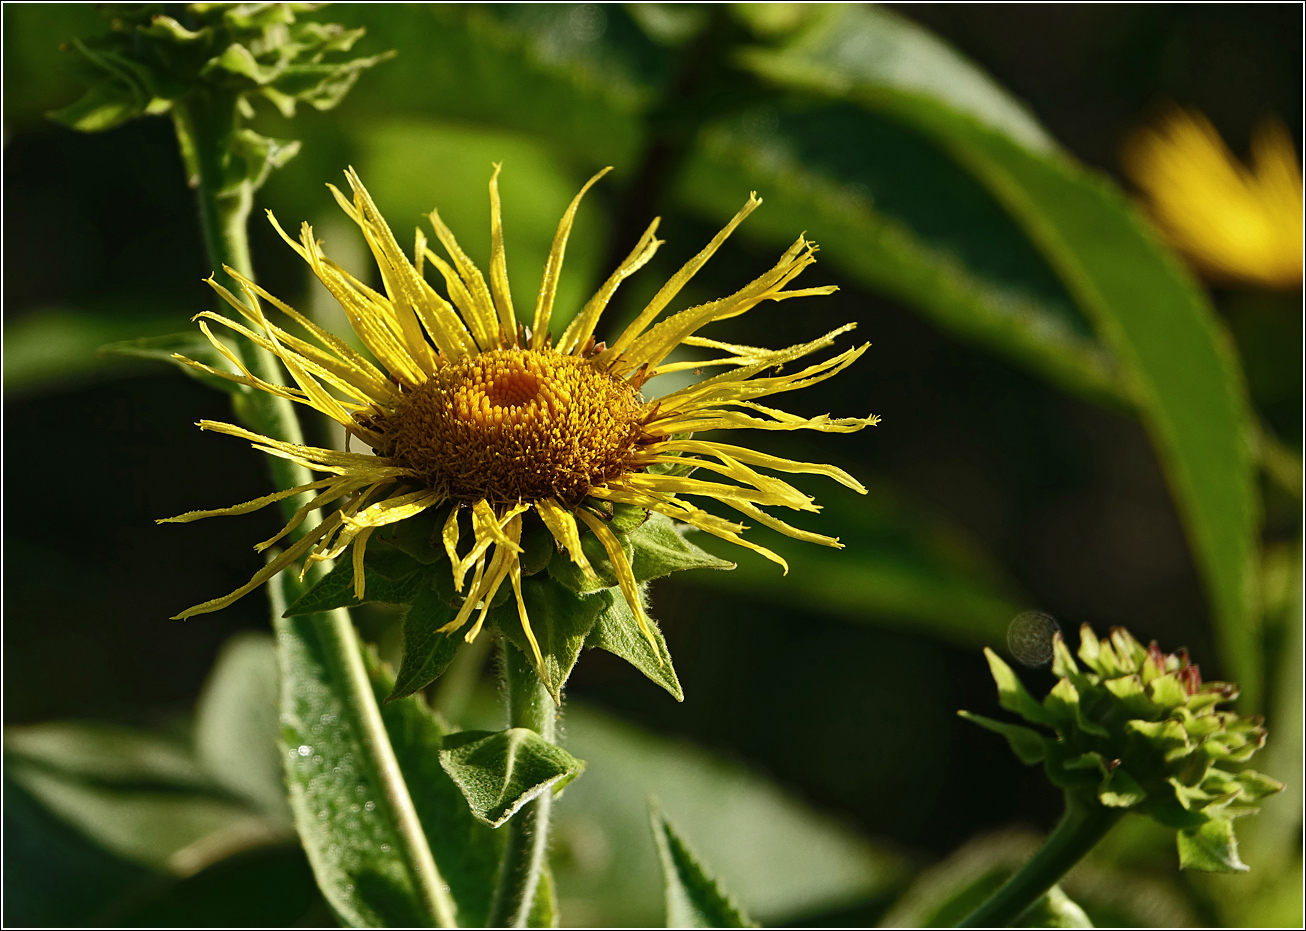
x=526, y=851
x=205, y=123
x=1081, y=827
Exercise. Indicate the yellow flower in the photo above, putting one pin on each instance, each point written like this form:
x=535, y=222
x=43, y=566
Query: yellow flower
x=1236, y=225
x=468, y=407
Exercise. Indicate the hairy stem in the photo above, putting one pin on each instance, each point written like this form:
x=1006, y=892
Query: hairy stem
x=526, y=852
x=205, y=122
x=1081, y=827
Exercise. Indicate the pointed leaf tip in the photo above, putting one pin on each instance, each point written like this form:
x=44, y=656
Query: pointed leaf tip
x=694, y=898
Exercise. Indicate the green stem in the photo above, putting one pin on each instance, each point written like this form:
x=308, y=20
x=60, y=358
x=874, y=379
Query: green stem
x=205, y=123
x=525, y=852
x=1081, y=827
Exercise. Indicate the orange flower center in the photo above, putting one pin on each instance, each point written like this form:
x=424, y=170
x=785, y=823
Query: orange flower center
x=514, y=425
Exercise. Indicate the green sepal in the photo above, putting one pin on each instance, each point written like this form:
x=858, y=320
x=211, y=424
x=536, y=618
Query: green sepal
x=617, y=631
x=1120, y=790
x=1167, y=737
x=537, y=545
x=1256, y=786
x=1029, y=745
x=499, y=772
x=419, y=536
x=627, y=518
x=105, y=106
x=1012, y=694
x=1129, y=691
x=253, y=157
x=560, y=619
x=694, y=898
x=1066, y=711
x=1063, y=663
x=390, y=577
x=1210, y=847
x=1166, y=692
x=660, y=549
x=427, y=652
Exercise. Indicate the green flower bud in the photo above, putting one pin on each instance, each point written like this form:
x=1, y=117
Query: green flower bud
x=1137, y=730
x=150, y=58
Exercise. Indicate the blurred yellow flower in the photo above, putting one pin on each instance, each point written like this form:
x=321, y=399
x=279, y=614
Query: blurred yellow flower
x=1236, y=225
x=466, y=408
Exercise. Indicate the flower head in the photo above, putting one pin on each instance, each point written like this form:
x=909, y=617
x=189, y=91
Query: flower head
x=1138, y=730
x=1234, y=223
x=490, y=424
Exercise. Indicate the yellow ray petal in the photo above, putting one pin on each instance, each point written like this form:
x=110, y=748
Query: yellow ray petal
x=438, y=317
x=562, y=525
x=284, y=559
x=469, y=604
x=484, y=333
x=449, y=534
x=743, y=454
x=681, y=278
x=339, y=488
x=653, y=346
x=514, y=574
x=580, y=329
x=775, y=523
x=247, y=507
x=360, y=548
x=499, y=266
x=480, y=316
x=625, y=576
x=553, y=267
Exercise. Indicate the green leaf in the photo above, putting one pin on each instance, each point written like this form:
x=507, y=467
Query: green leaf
x=390, y=577
x=51, y=347
x=661, y=549
x=466, y=851
x=175, y=831
x=745, y=826
x=900, y=566
x=694, y=898
x=1027, y=744
x=560, y=620
x=544, y=910
x=1173, y=357
x=500, y=772
x=1012, y=693
x=108, y=754
x=351, y=809
x=236, y=727
x=1210, y=847
x=617, y=631
x=270, y=887
x=427, y=652
x=1054, y=910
